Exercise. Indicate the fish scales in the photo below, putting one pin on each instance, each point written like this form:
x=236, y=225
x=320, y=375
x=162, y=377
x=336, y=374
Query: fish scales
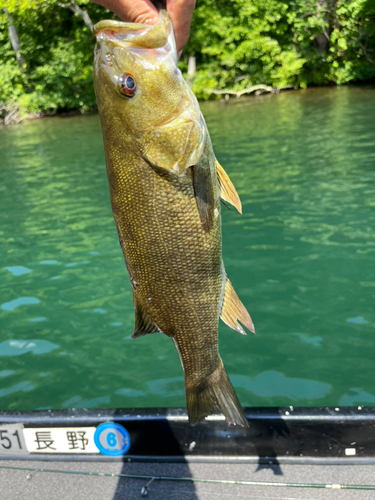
x=165, y=193
x=187, y=269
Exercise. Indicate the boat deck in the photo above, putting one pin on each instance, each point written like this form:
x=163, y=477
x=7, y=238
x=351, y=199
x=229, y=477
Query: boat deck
x=16, y=484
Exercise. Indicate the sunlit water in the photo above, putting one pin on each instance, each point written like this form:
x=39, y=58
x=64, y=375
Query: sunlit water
x=301, y=258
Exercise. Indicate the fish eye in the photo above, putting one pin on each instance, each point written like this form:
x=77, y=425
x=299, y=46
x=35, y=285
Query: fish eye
x=128, y=85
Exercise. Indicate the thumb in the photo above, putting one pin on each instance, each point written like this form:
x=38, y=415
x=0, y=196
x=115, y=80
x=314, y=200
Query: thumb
x=132, y=11
x=181, y=13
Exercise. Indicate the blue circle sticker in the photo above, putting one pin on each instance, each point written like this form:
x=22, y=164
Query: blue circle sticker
x=112, y=439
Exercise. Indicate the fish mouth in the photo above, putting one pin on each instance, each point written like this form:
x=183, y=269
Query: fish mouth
x=136, y=34
x=119, y=30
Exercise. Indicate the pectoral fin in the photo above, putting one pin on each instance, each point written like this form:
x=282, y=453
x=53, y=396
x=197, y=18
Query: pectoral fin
x=233, y=311
x=227, y=190
x=143, y=323
x=174, y=147
x=204, y=193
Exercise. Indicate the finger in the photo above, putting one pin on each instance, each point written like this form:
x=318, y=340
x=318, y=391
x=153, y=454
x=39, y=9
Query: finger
x=181, y=13
x=132, y=11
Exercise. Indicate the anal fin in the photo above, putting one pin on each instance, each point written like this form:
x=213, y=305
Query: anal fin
x=143, y=323
x=227, y=190
x=233, y=311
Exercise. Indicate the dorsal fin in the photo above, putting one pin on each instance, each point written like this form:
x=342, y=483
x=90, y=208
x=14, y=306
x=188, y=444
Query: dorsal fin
x=143, y=323
x=233, y=311
x=227, y=190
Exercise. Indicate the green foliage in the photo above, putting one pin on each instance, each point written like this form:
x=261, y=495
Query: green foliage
x=236, y=43
x=242, y=43
x=57, y=48
x=281, y=42
x=337, y=38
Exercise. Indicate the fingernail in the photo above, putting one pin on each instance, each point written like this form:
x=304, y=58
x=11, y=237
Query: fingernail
x=151, y=20
x=179, y=54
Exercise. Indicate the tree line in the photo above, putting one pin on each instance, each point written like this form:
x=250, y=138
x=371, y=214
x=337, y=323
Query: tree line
x=46, y=49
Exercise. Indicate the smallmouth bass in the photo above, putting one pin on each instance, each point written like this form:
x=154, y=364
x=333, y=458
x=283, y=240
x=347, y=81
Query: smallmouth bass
x=165, y=186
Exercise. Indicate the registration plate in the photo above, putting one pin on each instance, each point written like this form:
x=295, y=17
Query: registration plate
x=108, y=439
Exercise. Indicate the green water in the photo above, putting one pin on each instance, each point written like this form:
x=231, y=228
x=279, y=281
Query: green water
x=301, y=257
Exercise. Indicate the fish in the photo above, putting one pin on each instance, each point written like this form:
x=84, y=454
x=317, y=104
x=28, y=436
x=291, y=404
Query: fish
x=166, y=188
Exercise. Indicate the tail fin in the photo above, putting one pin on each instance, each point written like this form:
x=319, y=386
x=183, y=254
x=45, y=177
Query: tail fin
x=215, y=394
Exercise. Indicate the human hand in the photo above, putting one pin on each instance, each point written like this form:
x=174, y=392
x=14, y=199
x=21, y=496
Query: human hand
x=144, y=11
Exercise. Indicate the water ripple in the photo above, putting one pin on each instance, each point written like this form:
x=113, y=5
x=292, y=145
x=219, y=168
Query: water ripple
x=275, y=384
x=167, y=386
x=359, y=320
x=18, y=270
x=18, y=347
x=357, y=396
x=129, y=392
x=22, y=386
x=21, y=301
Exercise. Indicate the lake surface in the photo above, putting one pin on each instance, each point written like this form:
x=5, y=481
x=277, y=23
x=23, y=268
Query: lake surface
x=301, y=258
